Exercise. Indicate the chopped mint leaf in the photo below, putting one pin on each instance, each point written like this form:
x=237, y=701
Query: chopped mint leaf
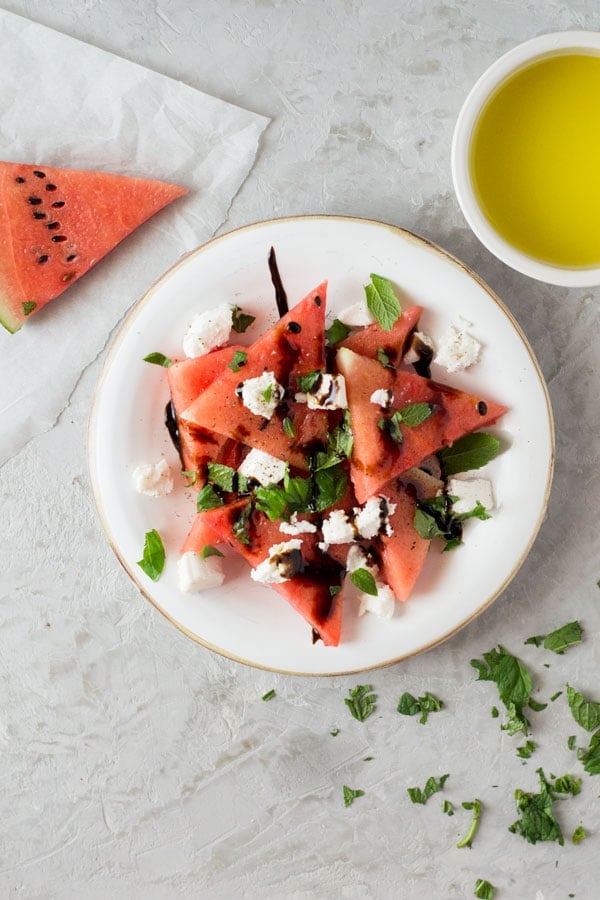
x=526, y=750
x=383, y=304
x=537, y=822
x=567, y=784
x=266, y=394
x=209, y=550
x=436, y=518
x=558, y=641
x=350, y=795
x=368, y=758
x=448, y=808
x=28, y=307
x=190, y=476
x=336, y=332
x=239, y=359
x=241, y=526
x=571, y=742
x=585, y=712
x=271, y=499
x=361, y=701
x=475, y=805
x=384, y=359
x=364, y=581
x=269, y=695
x=578, y=835
x=158, y=359
x=537, y=640
x=411, y=706
x=341, y=439
x=535, y=706
x=484, y=890
x=240, y=321
x=222, y=476
x=590, y=757
x=208, y=498
x=469, y=452
x=495, y=712
x=513, y=682
x=307, y=382
x=334, y=732
x=153, y=560
x=334, y=589
x=416, y=413
x=391, y=425
x=330, y=486
x=432, y=786
x=288, y=427
x=555, y=696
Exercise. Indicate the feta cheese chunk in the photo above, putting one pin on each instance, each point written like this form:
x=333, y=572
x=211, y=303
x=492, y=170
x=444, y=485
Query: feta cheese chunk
x=359, y=558
x=263, y=467
x=154, y=480
x=356, y=315
x=419, y=339
x=328, y=392
x=382, y=605
x=283, y=562
x=470, y=492
x=457, y=351
x=374, y=517
x=262, y=395
x=337, y=528
x=197, y=574
x=294, y=526
x=207, y=331
x=382, y=397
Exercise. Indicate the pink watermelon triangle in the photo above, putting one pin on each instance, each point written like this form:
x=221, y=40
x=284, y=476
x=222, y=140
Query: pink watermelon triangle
x=367, y=341
x=376, y=458
x=294, y=346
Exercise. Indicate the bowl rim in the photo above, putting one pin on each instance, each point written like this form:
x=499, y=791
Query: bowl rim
x=518, y=57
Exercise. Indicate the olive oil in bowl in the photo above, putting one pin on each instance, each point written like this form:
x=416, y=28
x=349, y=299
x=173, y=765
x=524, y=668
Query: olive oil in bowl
x=534, y=159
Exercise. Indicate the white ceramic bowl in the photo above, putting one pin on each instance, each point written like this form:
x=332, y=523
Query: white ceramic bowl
x=503, y=68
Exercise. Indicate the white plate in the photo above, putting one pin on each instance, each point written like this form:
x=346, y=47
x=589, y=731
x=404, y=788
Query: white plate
x=247, y=621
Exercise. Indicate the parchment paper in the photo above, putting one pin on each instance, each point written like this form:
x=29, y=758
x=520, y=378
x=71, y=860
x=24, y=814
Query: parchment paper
x=68, y=104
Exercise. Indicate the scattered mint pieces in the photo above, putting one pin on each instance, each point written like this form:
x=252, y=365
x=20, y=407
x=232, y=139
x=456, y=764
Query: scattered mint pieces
x=223, y=477
x=361, y=701
x=330, y=486
x=240, y=321
x=269, y=695
x=384, y=359
x=579, y=835
x=239, y=359
x=432, y=786
x=307, y=382
x=350, y=795
x=436, y=518
x=241, y=526
x=334, y=732
x=334, y=589
x=475, y=805
x=484, y=890
x=555, y=696
x=336, y=332
x=567, y=784
x=411, y=706
x=537, y=640
x=558, y=641
x=537, y=822
x=153, y=560
x=208, y=498
x=469, y=452
x=266, y=394
x=585, y=712
x=495, y=712
x=526, y=750
x=190, y=476
x=591, y=756
x=28, y=307
x=513, y=682
x=209, y=550
x=364, y=581
x=448, y=808
x=288, y=427
x=571, y=742
x=412, y=415
x=158, y=359
x=383, y=304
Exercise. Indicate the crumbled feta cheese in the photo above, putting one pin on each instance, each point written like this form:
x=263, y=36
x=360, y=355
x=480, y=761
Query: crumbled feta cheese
x=283, y=562
x=255, y=392
x=294, y=526
x=470, y=492
x=263, y=467
x=208, y=330
x=359, y=558
x=457, y=350
x=337, y=528
x=323, y=546
x=154, y=480
x=382, y=397
x=329, y=392
x=412, y=355
x=356, y=315
x=382, y=605
x=374, y=517
x=197, y=574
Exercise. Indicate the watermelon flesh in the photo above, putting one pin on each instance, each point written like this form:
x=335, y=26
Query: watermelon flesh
x=402, y=555
x=55, y=224
x=369, y=340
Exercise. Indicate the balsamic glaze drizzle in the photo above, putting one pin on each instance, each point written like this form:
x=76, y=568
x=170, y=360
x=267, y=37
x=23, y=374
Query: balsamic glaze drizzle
x=280, y=294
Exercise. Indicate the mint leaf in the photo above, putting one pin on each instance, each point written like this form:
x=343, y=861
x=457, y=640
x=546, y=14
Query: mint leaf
x=432, y=786
x=558, y=641
x=484, y=890
x=266, y=394
x=537, y=640
x=153, y=560
x=513, y=682
x=391, y=426
x=307, y=382
x=330, y=487
x=579, y=835
x=269, y=695
x=208, y=499
x=537, y=822
x=288, y=427
x=239, y=359
x=350, y=795
x=334, y=732
x=571, y=740
x=555, y=696
x=364, y=581
x=209, y=550
x=585, y=712
x=241, y=526
x=591, y=756
x=567, y=784
x=469, y=452
x=448, y=808
x=384, y=359
x=361, y=701
x=240, y=321
x=411, y=706
x=383, y=304
x=271, y=500
x=158, y=359
x=416, y=413
x=191, y=477
x=475, y=805
x=222, y=476
x=28, y=307
x=526, y=750
x=336, y=332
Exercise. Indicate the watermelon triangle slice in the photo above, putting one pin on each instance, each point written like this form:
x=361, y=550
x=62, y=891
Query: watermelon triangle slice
x=294, y=346
x=376, y=457
x=55, y=224
x=403, y=553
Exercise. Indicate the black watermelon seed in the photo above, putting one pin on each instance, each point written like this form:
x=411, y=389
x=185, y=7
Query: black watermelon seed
x=59, y=238
x=39, y=215
x=295, y=327
x=19, y=180
x=39, y=174
x=482, y=408
x=43, y=258
x=35, y=201
x=71, y=257
x=52, y=226
x=50, y=187
x=317, y=301
x=58, y=204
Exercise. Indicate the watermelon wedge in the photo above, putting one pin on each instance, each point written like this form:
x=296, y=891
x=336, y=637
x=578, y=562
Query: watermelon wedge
x=369, y=340
x=376, y=457
x=402, y=555
x=55, y=224
x=294, y=346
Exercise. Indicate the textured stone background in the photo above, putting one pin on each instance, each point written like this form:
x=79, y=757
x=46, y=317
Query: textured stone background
x=138, y=765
